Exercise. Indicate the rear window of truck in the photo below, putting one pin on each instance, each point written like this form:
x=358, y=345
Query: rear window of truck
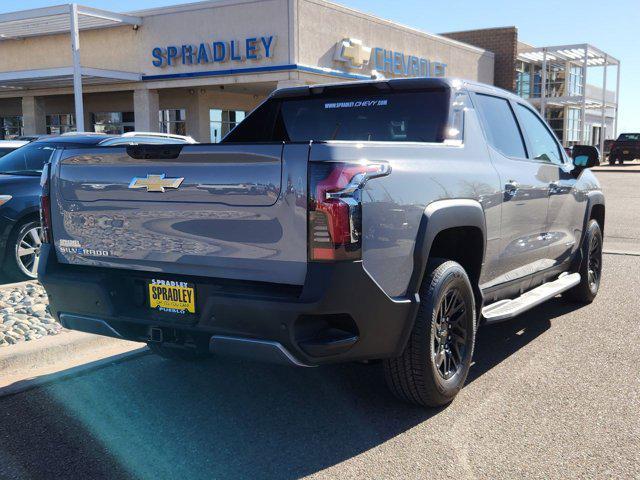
x=382, y=116
x=629, y=137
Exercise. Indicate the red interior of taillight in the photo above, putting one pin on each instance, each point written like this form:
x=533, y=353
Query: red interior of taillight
x=332, y=212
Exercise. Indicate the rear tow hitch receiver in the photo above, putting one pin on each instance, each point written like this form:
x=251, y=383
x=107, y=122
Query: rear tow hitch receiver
x=155, y=334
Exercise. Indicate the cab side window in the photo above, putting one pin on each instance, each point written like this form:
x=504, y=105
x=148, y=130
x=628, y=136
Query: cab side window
x=500, y=125
x=542, y=143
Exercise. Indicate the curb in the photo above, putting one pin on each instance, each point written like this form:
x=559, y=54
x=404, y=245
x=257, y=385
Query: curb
x=36, y=355
x=47, y=349
x=615, y=170
x=30, y=383
x=11, y=286
x=620, y=252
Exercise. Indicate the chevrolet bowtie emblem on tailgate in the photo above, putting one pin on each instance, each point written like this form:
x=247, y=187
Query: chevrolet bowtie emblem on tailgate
x=156, y=183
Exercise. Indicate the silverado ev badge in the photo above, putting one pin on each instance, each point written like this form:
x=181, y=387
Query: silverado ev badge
x=155, y=183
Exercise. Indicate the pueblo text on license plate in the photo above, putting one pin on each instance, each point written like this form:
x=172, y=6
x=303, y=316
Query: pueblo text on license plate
x=172, y=296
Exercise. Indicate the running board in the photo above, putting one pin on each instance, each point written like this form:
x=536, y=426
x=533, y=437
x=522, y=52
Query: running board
x=505, y=309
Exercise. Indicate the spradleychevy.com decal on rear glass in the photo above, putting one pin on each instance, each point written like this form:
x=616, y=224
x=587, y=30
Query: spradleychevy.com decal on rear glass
x=357, y=104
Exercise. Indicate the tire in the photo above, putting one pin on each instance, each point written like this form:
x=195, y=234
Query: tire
x=425, y=374
x=25, y=240
x=183, y=354
x=591, y=266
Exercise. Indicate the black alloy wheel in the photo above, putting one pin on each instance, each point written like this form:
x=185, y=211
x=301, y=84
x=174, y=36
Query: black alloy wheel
x=449, y=335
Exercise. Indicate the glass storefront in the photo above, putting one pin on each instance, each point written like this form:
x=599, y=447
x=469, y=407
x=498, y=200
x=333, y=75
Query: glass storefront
x=113, y=123
x=10, y=127
x=59, y=123
x=173, y=120
x=223, y=121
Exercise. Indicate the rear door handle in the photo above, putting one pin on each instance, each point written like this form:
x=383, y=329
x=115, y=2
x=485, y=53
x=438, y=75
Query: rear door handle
x=511, y=188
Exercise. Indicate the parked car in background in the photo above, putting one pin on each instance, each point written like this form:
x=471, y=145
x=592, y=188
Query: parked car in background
x=33, y=138
x=7, y=146
x=161, y=137
x=626, y=147
x=429, y=206
x=20, y=193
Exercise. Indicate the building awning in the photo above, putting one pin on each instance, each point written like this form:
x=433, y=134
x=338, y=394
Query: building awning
x=593, y=56
x=56, y=19
x=61, y=19
x=62, y=77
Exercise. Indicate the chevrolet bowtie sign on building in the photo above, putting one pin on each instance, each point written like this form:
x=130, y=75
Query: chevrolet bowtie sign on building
x=356, y=55
x=352, y=52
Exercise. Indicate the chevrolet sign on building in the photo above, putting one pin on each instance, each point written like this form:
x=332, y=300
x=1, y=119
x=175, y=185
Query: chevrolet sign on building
x=196, y=69
x=356, y=55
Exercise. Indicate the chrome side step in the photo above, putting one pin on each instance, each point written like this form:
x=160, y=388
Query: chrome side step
x=505, y=309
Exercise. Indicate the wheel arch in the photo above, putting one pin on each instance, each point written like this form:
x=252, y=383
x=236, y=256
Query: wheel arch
x=595, y=210
x=31, y=214
x=444, y=226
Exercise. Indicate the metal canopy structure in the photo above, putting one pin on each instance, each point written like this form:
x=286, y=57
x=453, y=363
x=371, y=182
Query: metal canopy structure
x=60, y=19
x=62, y=77
x=580, y=53
x=584, y=56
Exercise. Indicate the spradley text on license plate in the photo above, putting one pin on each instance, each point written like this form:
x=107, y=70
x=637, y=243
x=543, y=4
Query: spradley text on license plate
x=171, y=296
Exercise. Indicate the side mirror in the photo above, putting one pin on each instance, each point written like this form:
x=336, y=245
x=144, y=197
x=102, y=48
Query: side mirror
x=585, y=156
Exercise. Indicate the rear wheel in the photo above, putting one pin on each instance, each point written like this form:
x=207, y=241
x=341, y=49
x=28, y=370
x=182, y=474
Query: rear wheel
x=180, y=353
x=436, y=360
x=590, y=267
x=23, y=251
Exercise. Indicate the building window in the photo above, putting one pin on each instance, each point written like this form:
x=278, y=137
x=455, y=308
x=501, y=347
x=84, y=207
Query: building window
x=574, y=126
x=113, y=123
x=576, y=81
x=523, y=79
x=555, y=80
x=10, y=127
x=173, y=120
x=222, y=122
x=555, y=119
x=59, y=123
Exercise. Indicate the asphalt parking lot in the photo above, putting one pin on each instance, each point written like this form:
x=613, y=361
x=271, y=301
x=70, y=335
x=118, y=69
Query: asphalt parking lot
x=552, y=394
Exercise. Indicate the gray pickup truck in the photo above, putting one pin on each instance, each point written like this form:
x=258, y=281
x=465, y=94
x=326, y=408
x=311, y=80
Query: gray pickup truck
x=381, y=220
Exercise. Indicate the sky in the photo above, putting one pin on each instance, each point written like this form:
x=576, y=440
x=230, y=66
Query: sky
x=611, y=26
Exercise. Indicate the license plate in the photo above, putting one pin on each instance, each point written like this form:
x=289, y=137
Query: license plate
x=172, y=296
x=626, y=152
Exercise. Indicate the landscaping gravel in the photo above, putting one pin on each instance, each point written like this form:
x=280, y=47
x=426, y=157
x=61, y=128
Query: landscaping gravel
x=24, y=314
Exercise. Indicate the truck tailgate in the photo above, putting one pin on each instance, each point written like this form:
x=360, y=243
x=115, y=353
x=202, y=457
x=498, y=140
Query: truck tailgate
x=229, y=211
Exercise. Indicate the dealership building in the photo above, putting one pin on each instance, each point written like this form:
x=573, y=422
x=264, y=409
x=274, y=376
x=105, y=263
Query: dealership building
x=196, y=69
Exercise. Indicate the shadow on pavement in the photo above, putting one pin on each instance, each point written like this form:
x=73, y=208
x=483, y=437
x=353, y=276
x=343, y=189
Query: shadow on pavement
x=152, y=418
x=497, y=342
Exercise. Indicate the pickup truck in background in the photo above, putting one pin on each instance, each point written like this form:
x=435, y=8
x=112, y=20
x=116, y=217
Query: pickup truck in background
x=382, y=220
x=625, y=147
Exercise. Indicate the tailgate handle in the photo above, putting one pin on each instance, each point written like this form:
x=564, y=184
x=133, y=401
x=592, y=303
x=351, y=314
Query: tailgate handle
x=154, y=152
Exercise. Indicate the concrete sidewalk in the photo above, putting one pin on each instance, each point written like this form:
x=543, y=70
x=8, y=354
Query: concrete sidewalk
x=27, y=363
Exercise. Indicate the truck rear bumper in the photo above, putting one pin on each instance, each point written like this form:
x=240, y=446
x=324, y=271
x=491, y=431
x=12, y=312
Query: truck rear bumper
x=340, y=314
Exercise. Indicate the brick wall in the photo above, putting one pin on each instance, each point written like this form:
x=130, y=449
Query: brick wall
x=503, y=42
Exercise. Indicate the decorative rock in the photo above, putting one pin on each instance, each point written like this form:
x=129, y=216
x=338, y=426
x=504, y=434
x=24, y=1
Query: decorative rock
x=25, y=315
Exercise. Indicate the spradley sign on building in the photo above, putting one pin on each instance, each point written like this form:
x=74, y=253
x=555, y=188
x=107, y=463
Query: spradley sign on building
x=251, y=48
x=356, y=55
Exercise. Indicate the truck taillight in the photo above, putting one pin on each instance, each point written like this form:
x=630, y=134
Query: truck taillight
x=335, y=208
x=45, y=205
